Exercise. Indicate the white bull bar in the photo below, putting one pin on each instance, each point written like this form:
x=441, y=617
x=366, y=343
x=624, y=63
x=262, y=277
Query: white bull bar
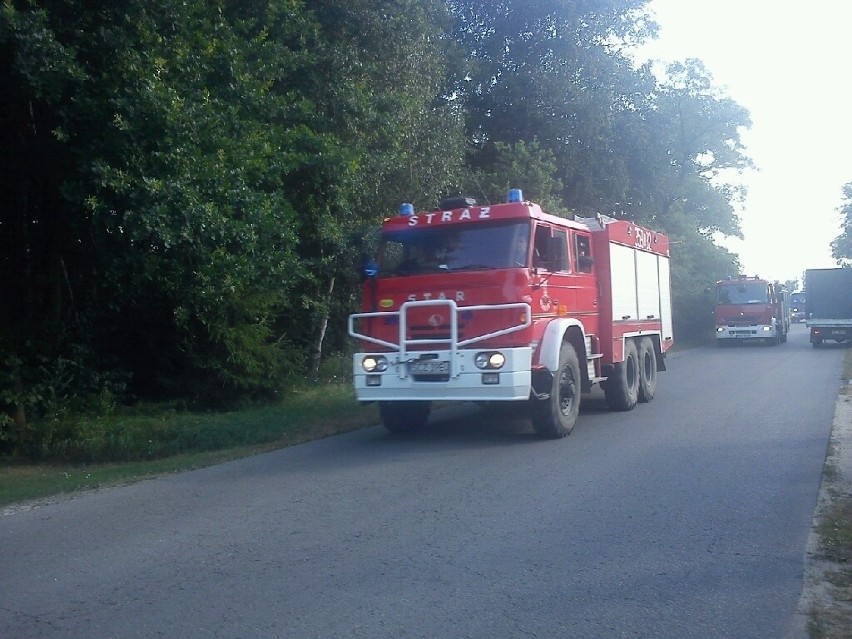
x=464, y=381
x=404, y=346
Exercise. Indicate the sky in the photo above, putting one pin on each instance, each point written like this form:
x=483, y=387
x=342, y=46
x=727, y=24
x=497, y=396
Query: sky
x=788, y=63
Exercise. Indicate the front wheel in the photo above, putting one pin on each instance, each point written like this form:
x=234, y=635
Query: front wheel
x=621, y=389
x=404, y=417
x=555, y=417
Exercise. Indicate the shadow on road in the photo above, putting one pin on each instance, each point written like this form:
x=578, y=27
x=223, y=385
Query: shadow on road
x=496, y=423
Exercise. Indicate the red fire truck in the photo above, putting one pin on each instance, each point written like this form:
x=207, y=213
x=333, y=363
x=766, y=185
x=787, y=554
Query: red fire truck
x=507, y=303
x=751, y=308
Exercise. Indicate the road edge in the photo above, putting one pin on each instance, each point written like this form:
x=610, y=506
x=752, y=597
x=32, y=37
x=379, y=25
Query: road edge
x=836, y=480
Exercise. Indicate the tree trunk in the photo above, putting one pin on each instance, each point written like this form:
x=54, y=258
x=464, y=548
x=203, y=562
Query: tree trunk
x=316, y=351
x=20, y=414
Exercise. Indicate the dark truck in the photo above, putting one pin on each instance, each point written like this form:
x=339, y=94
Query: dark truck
x=829, y=304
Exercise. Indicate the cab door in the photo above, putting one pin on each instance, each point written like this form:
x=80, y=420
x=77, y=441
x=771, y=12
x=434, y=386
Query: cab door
x=564, y=281
x=584, y=286
x=550, y=266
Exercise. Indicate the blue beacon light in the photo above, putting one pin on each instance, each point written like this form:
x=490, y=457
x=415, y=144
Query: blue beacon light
x=406, y=209
x=515, y=195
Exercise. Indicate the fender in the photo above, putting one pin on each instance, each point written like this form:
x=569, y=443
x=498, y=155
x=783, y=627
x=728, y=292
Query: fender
x=551, y=341
x=618, y=347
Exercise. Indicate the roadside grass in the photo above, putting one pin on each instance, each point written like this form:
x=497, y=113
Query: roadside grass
x=831, y=616
x=127, y=446
x=834, y=620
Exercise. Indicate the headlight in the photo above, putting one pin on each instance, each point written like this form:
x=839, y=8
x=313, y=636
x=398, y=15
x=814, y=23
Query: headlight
x=496, y=360
x=489, y=360
x=374, y=363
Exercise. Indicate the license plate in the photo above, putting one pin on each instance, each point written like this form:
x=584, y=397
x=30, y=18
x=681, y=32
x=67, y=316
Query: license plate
x=429, y=367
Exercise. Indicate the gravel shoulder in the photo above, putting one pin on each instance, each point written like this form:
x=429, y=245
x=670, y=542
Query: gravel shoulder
x=825, y=607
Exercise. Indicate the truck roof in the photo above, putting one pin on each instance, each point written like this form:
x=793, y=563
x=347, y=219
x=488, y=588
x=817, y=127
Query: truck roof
x=742, y=278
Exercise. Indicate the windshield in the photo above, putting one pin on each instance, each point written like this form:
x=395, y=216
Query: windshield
x=751, y=293
x=455, y=248
x=797, y=298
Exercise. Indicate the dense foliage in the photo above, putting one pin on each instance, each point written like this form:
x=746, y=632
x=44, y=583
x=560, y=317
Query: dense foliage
x=189, y=189
x=841, y=247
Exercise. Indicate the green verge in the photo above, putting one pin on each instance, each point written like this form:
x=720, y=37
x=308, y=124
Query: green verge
x=830, y=617
x=128, y=446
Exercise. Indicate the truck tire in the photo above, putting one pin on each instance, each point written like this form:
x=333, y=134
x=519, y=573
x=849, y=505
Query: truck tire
x=555, y=417
x=621, y=389
x=647, y=370
x=404, y=417
x=777, y=339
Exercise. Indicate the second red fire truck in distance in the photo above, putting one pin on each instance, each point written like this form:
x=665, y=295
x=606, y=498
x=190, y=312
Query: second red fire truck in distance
x=751, y=308
x=507, y=303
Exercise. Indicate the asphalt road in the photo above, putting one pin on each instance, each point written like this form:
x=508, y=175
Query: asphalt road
x=687, y=517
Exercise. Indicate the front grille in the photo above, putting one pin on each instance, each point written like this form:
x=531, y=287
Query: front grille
x=424, y=331
x=417, y=333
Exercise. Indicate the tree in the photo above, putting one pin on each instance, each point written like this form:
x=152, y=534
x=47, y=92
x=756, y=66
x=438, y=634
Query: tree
x=204, y=125
x=696, y=148
x=170, y=131
x=841, y=246
x=41, y=242
x=520, y=164
x=380, y=71
x=550, y=71
x=192, y=180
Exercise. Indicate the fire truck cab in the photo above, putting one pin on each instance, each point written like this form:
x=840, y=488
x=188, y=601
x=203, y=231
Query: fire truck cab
x=751, y=308
x=507, y=303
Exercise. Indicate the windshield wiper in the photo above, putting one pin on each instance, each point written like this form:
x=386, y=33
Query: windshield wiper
x=469, y=267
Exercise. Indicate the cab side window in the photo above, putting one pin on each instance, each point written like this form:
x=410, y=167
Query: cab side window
x=582, y=254
x=559, y=250
x=550, y=249
x=540, y=254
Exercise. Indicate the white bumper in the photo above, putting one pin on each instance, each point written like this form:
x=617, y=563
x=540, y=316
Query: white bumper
x=755, y=331
x=462, y=381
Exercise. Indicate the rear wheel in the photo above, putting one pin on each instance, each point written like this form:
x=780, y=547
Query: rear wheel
x=404, y=417
x=555, y=417
x=622, y=387
x=647, y=370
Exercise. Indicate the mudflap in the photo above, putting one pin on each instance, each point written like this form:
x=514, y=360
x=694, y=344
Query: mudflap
x=540, y=383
